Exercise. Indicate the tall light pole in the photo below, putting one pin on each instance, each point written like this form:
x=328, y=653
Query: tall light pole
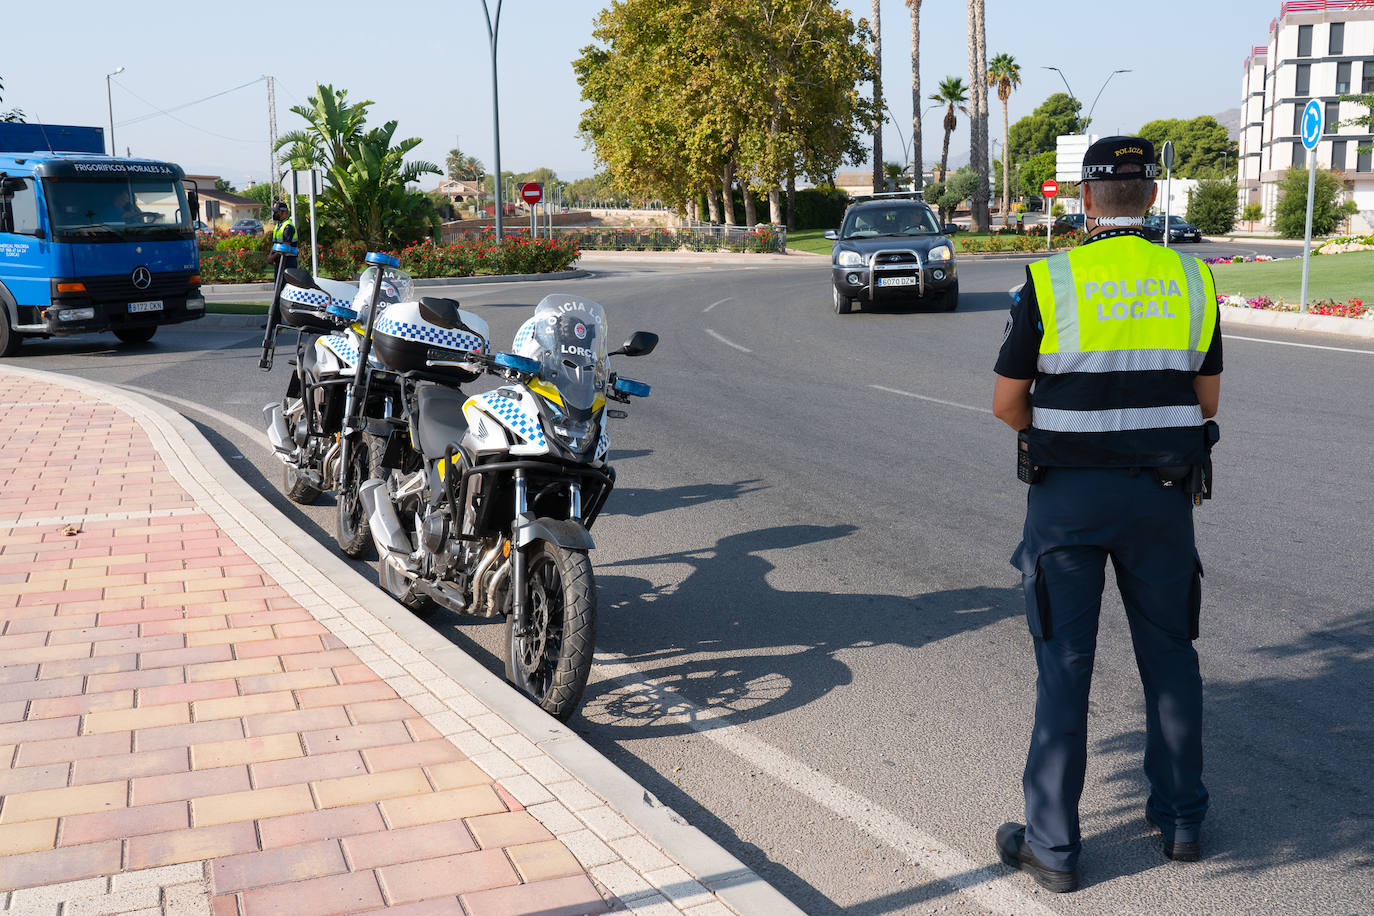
x=109, y=104
x=493, y=30
x=1064, y=78
x=1099, y=95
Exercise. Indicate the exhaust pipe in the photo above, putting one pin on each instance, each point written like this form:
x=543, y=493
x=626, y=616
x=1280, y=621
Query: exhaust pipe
x=277, y=433
x=387, y=531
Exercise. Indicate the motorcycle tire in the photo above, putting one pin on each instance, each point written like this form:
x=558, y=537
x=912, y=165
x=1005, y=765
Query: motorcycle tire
x=551, y=663
x=351, y=530
x=297, y=488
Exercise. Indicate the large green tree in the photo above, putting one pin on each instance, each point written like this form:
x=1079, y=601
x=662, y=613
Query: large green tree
x=1290, y=215
x=332, y=122
x=1037, y=132
x=1365, y=120
x=757, y=90
x=1202, y=147
x=14, y=114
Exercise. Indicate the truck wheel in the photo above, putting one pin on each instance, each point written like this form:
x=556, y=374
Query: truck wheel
x=9, y=339
x=136, y=335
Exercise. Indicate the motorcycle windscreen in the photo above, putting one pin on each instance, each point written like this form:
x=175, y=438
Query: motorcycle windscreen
x=571, y=334
x=395, y=288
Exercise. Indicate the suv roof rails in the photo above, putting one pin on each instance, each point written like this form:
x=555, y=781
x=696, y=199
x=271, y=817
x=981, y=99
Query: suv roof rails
x=891, y=195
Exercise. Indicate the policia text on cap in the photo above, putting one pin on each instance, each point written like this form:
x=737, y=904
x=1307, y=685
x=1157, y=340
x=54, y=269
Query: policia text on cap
x=1109, y=369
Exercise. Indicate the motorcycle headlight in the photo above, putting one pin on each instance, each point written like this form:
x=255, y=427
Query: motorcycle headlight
x=941, y=253
x=577, y=436
x=850, y=259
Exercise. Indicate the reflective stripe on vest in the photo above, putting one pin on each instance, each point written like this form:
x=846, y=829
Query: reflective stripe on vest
x=1126, y=326
x=278, y=234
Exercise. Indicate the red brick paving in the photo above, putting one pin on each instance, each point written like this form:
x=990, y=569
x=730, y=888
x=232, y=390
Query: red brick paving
x=166, y=702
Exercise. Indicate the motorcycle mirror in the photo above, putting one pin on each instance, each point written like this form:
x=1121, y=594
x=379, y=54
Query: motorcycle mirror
x=301, y=278
x=443, y=312
x=641, y=343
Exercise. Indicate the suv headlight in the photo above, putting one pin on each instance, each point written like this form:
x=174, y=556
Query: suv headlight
x=941, y=253
x=850, y=259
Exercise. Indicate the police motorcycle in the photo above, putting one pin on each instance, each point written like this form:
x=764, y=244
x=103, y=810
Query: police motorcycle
x=305, y=427
x=484, y=504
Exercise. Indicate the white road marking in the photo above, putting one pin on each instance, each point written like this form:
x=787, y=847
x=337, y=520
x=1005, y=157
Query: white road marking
x=714, y=304
x=1287, y=343
x=922, y=397
x=728, y=343
x=255, y=436
x=982, y=883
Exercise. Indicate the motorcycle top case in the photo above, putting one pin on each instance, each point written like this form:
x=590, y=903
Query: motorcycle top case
x=305, y=308
x=405, y=341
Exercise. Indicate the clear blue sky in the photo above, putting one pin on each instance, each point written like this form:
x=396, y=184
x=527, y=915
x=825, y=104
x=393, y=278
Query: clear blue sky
x=425, y=63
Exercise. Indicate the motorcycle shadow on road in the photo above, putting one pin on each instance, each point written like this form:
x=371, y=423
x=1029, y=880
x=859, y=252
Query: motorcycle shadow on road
x=1287, y=767
x=724, y=647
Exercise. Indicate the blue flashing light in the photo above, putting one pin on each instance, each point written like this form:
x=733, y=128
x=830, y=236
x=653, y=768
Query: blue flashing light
x=340, y=311
x=382, y=259
x=518, y=363
x=284, y=248
x=631, y=387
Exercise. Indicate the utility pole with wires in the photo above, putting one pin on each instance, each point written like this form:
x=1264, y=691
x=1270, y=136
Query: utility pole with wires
x=273, y=174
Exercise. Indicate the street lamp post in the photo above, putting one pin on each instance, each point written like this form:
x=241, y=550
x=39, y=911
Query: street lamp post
x=493, y=30
x=1099, y=95
x=109, y=104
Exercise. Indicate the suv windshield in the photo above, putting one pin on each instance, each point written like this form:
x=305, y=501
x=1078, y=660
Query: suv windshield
x=871, y=222
x=118, y=209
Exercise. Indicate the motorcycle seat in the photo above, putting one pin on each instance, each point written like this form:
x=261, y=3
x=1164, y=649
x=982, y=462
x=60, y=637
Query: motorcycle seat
x=441, y=421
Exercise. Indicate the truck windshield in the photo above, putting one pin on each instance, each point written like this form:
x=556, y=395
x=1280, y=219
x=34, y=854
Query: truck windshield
x=117, y=209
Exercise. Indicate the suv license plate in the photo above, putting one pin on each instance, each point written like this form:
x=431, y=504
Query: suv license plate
x=896, y=281
x=152, y=305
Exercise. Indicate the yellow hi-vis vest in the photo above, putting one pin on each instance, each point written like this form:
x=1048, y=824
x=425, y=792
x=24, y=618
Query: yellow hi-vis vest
x=1126, y=327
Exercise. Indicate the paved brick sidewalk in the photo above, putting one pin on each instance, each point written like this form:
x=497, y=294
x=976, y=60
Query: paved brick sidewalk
x=194, y=720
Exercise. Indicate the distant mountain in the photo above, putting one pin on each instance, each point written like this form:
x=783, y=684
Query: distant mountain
x=1230, y=119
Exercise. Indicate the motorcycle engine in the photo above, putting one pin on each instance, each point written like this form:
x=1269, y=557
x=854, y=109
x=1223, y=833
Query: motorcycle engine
x=434, y=531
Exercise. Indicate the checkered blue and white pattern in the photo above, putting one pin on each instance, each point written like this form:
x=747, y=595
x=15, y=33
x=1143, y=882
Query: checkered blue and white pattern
x=603, y=444
x=427, y=334
x=513, y=414
x=523, y=336
x=343, y=348
x=311, y=297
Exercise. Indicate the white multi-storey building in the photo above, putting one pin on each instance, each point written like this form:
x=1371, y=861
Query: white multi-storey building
x=1318, y=49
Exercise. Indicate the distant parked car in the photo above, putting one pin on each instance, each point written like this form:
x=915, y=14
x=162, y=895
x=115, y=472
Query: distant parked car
x=1069, y=221
x=246, y=226
x=1034, y=203
x=1179, y=229
x=204, y=228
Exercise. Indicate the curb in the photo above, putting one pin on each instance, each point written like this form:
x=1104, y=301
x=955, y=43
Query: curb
x=708, y=862
x=1296, y=321
x=573, y=274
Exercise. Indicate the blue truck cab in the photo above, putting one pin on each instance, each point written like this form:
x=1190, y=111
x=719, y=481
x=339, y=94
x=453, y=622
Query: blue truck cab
x=90, y=242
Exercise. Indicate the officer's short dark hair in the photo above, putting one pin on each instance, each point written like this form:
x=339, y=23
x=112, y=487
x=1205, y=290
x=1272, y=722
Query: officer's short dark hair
x=1128, y=197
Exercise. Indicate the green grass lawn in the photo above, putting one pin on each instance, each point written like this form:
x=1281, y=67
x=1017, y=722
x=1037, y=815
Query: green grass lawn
x=1332, y=276
x=236, y=308
x=815, y=240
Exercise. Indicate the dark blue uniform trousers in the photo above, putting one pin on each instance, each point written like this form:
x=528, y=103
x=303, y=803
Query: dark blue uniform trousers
x=1075, y=519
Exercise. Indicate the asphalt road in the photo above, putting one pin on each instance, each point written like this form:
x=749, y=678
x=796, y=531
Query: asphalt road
x=811, y=643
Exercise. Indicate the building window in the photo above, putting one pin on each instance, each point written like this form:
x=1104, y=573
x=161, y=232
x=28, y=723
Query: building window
x=1367, y=80
x=1304, y=41
x=1338, y=155
x=1333, y=118
x=1297, y=116
x=1362, y=158
x=1302, y=85
x=1299, y=153
x=1343, y=78
x=1336, y=42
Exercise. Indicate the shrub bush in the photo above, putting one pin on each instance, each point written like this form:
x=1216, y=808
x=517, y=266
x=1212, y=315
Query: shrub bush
x=238, y=243
x=1290, y=216
x=1212, y=206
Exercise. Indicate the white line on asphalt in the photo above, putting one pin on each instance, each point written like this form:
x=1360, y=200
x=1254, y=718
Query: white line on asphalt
x=922, y=397
x=1288, y=343
x=714, y=304
x=983, y=883
x=255, y=436
x=728, y=343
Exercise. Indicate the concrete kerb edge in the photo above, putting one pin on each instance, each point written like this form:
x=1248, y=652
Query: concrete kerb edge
x=730, y=879
x=223, y=289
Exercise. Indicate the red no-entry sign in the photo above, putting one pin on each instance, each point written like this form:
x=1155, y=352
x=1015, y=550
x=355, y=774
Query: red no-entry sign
x=532, y=192
x=1050, y=187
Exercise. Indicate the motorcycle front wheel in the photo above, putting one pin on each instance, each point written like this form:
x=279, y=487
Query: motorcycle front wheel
x=351, y=529
x=552, y=660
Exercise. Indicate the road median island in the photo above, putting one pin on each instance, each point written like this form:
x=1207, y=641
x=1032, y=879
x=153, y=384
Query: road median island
x=1264, y=291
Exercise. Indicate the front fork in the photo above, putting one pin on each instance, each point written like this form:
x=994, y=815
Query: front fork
x=518, y=571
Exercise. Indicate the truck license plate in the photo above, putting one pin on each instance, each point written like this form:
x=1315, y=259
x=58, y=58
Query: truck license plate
x=896, y=281
x=152, y=305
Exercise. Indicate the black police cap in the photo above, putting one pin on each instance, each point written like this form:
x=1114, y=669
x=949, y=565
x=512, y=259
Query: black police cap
x=1105, y=159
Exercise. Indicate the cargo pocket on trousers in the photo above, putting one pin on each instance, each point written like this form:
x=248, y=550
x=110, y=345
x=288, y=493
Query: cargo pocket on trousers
x=1036, y=594
x=1195, y=598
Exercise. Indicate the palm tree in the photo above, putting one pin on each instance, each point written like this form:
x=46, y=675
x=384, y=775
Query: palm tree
x=333, y=124
x=462, y=167
x=917, y=168
x=978, y=128
x=877, y=98
x=1005, y=73
x=953, y=93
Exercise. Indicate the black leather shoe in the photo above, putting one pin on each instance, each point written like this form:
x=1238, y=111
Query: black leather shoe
x=1011, y=846
x=1186, y=851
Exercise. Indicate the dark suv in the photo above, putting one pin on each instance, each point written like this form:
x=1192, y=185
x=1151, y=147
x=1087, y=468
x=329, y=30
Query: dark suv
x=891, y=251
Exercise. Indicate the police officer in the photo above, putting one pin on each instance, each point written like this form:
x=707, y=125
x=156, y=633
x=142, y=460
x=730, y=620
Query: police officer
x=1109, y=365
x=284, y=231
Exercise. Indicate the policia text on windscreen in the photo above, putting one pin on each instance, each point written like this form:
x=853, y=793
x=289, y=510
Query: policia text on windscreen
x=1109, y=370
